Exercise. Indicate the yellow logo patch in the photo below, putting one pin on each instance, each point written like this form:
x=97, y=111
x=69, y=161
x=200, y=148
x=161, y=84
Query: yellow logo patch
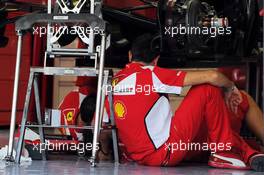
x=69, y=116
x=120, y=110
x=114, y=82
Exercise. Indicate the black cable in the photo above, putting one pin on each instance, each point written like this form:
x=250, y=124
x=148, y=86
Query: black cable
x=159, y=23
x=155, y=4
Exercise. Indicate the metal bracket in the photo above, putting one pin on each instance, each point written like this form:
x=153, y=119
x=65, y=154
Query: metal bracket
x=58, y=34
x=65, y=9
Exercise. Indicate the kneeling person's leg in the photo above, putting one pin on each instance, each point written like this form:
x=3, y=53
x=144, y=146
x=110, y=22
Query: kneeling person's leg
x=204, y=103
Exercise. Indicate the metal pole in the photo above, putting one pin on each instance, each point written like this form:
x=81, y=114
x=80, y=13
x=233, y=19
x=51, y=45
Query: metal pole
x=92, y=4
x=49, y=9
x=24, y=118
x=98, y=100
x=248, y=76
x=262, y=74
x=105, y=79
x=38, y=111
x=114, y=131
x=9, y=156
x=258, y=74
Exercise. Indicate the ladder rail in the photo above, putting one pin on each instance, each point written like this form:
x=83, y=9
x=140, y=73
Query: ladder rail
x=25, y=23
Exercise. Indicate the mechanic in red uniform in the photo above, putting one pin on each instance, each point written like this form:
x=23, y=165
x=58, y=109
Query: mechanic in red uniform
x=149, y=130
x=71, y=103
x=77, y=108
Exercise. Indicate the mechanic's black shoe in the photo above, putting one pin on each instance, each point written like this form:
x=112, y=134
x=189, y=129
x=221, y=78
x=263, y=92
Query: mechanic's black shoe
x=257, y=162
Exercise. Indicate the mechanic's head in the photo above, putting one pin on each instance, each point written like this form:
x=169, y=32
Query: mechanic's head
x=87, y=109
x=143, y=50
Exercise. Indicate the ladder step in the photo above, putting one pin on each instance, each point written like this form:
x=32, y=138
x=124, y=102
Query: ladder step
x=107, y=127
x=70, y=71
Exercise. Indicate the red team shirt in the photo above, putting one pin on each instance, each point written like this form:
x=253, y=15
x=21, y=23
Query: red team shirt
x=142, y=110
x=70, y=109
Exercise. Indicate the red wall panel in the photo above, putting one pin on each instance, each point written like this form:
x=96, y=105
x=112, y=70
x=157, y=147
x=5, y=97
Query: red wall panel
x=7, y=71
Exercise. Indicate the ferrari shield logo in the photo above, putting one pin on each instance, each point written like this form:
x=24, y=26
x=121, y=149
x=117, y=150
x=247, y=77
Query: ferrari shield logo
x=69, y=114
x=114, y=82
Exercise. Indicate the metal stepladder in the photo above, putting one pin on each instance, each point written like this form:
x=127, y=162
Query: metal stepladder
x=97, y=53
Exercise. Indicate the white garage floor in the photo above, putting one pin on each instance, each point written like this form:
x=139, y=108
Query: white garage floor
x=71, y=165
x=58, y=167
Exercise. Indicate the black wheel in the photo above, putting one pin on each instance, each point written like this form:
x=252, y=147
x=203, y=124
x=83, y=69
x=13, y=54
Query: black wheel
x=197, y=42
x=66, y=39
x=252, y=29
x=244, y=20
x=172, y=17
x=3, y=39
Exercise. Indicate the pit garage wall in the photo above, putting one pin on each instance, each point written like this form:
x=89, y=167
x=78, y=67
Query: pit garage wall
x=119, y=4
x=62, y=85
x=7, y=67
x=32, y=55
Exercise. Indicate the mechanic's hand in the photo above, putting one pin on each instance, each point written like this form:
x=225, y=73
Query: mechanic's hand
x=261, y=148
x=171, y=3
x=233, y=98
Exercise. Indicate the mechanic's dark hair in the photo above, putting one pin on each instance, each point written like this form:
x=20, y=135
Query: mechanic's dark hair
x=87, y=108
x=143, y=50
x=87, y=111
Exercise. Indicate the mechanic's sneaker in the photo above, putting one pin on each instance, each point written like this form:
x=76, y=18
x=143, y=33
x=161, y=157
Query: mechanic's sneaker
x=227, y=160
x=256, y=162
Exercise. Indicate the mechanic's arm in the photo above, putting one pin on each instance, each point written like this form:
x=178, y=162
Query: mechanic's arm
x=211, y=77
x=232, y=94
